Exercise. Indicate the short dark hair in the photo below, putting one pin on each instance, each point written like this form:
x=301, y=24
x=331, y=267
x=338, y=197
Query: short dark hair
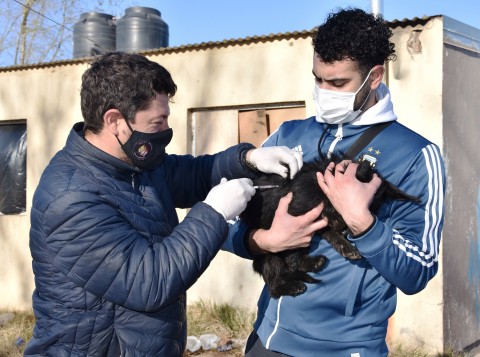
x=123, y=81
x=356, y=35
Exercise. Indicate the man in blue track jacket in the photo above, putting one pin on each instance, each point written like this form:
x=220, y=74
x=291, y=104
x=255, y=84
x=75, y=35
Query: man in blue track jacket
x=111, y=261
x=347, y=313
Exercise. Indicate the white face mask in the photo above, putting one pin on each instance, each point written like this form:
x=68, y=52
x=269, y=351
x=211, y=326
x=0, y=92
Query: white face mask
x=334, y=107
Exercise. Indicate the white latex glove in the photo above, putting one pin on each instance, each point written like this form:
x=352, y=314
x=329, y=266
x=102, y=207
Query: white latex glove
x=270, y=160
x=230, y=198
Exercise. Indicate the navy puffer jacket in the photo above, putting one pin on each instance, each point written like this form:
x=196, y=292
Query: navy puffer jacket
x=111, y=261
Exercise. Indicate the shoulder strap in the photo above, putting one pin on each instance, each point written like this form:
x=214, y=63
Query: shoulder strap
x=364, y=139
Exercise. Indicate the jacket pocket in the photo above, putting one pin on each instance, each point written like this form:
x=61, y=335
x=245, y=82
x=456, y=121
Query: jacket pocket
x=358, y=278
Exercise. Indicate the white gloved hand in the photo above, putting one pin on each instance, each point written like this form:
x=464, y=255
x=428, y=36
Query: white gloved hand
x=272, y=160
x=230, y=198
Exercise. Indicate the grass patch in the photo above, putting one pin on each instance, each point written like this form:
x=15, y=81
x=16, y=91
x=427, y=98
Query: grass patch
x=399, y=350
x=223, y=320
x=15, y=332
x=226, y=321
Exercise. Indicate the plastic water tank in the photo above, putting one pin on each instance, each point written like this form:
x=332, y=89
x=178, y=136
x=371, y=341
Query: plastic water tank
x=93, y=34
x=141, y=28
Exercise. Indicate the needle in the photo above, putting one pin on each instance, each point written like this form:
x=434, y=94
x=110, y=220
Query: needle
x=265, y=186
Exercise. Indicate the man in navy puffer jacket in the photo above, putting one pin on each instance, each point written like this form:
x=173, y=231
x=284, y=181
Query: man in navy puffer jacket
x=111, y=261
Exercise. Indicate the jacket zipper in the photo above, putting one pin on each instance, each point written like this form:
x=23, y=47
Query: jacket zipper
x=133, y=180
x=277, y=322
x=338, y=137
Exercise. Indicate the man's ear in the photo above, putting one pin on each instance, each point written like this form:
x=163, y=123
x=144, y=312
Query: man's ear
x=376, y=76
x=111, y=120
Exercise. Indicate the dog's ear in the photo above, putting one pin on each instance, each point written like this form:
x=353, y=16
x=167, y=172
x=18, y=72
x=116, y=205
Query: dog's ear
x=364, y=171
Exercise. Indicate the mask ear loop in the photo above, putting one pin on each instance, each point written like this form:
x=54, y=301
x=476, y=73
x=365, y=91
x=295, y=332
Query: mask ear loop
x=365, y=81
x=129, y=127
x=359, y=89
x=128, y=124
x=365, y=101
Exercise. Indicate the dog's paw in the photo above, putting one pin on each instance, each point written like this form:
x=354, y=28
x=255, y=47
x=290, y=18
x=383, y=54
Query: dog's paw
x=319, y=262
x=296, y=288
x=353, y=255
x=293, y=288
x=350, y=252
x=311, y=263
x=347, y=250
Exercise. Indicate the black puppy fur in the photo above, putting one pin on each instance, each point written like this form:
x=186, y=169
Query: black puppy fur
x=285, y=273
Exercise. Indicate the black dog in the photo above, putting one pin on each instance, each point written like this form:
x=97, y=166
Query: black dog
x=285, y=273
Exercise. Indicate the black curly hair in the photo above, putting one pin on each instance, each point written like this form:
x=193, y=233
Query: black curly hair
x=353, y=34
x=123, y=81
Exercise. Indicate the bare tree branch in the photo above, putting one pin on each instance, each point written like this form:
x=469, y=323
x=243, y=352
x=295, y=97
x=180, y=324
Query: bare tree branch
x=22, y=39
x=35, y=31
x=60, y=35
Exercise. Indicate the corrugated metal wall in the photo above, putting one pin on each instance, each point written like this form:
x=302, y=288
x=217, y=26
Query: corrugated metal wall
x=461, y=244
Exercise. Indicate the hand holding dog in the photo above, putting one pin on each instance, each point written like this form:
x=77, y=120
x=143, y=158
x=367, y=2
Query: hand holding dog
x=272, y=160
x=286, y=231
x=350, y=197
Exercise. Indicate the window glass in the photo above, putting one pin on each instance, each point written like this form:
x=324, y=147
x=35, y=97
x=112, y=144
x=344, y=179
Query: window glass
x=13, y=160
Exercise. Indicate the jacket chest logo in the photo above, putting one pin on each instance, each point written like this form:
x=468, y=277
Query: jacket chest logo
x=371, y=156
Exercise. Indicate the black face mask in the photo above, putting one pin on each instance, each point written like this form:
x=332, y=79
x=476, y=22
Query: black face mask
x=146, y=150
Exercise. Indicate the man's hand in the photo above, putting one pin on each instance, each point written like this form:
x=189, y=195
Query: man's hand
x=230, y=198
x=286, y=231
x=350, y=197
x=273, y=160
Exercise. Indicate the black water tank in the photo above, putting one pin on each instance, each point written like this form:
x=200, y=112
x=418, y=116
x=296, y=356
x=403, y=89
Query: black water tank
x=93, y=34
x=142, y=28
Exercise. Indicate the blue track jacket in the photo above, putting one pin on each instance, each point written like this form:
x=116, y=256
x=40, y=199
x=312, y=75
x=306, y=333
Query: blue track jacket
x=347, y=313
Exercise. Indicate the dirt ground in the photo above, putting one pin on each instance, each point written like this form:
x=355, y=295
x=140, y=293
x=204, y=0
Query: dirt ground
x=237, y=352
x=216, y=353
x=237, y=349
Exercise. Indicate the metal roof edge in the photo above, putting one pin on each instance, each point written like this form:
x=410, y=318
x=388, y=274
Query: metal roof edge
x=455, y=33
x=461, y=35
x=412, y=22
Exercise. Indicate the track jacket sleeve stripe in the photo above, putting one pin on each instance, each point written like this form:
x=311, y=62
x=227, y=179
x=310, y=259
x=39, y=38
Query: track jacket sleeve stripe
x=434, y=206
x=428, y=254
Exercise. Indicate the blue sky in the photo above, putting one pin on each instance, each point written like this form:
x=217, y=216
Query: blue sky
x=194, y=21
